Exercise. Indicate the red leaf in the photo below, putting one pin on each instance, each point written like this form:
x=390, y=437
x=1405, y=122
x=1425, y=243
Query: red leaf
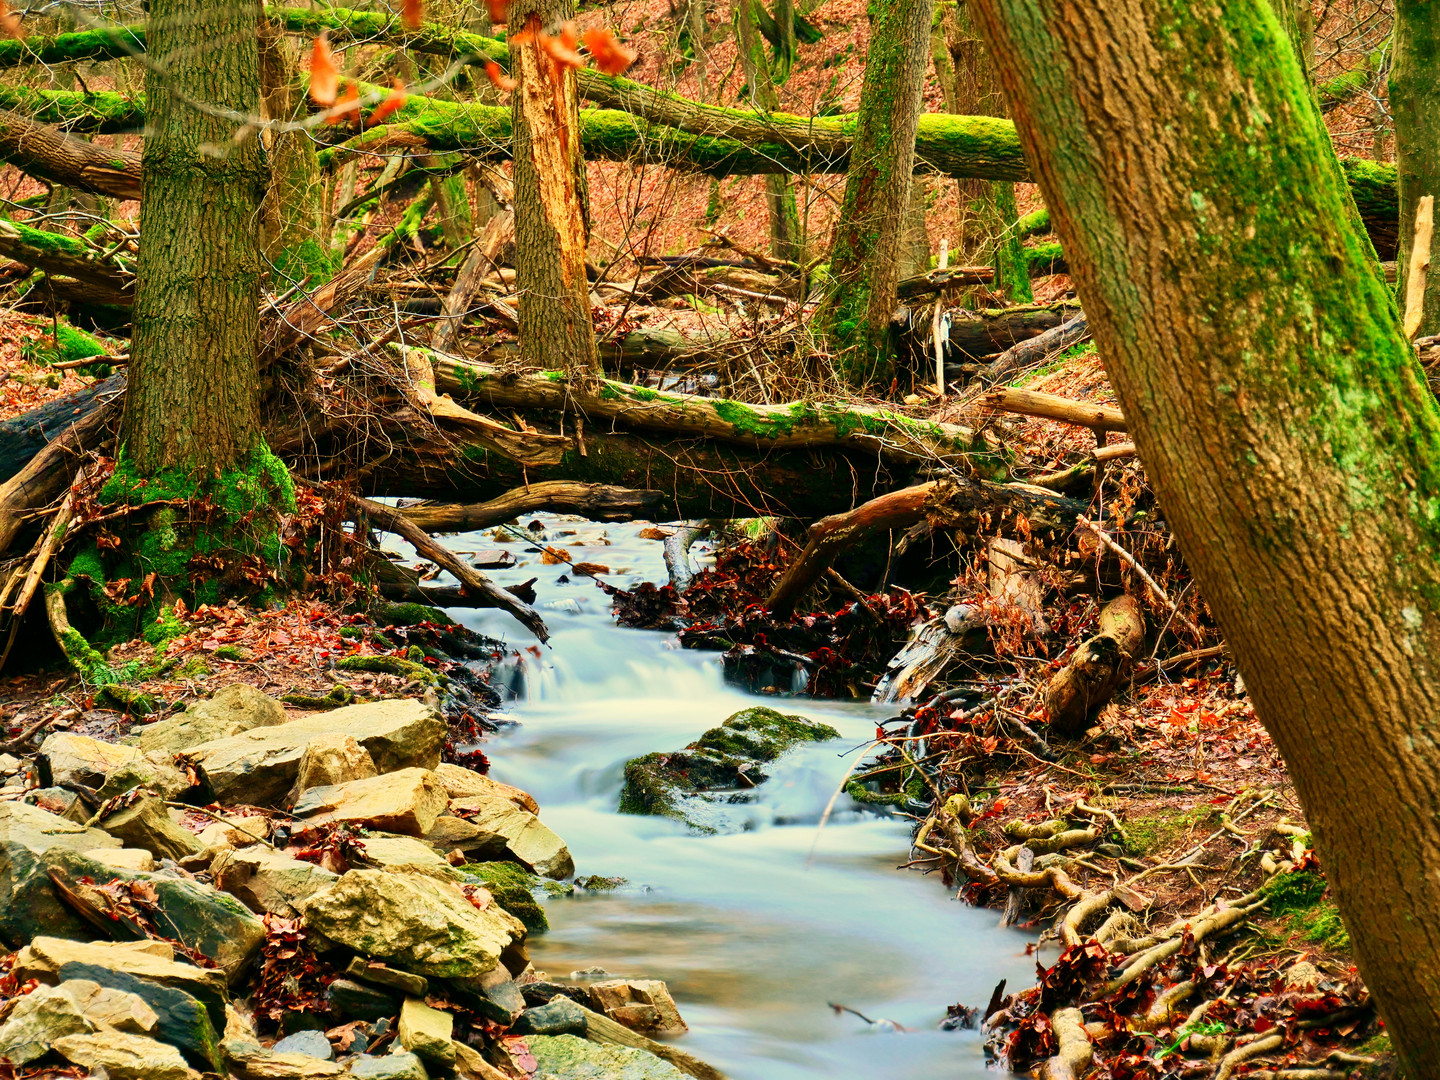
x=9, y=22
x=347, y=107
x=411, y=13
x=324, y=75
x=498, y=78
x=611, y=56
x=562, y=48
x=498, y=10
x=395, y=101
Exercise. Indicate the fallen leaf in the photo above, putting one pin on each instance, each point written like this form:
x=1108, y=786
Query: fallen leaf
x=650, y=532
x=347, y=107
x=611, y=57
x=324, y=75
x=498, y=78
x=9, y=22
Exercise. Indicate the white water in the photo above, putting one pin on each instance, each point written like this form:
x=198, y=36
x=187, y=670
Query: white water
x=753, y=934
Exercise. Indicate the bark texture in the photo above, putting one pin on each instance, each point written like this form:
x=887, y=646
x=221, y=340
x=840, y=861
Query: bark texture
x=1415, y=102
x=1278, y=409
x=193, y=398
x=765, y=79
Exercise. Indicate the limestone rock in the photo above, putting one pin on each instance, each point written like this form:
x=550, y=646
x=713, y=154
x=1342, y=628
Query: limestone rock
x=235, y=831
x=560, y=1016
x=518, y=832
x=38, y=1019
x=643, y=1005
x=469, y=1065
x=404, y=982
x=355, y=1001
x=123, y=858
x=313, y=1043
x=499, y=997
x=154, y=772
x=564, y=1057
x=145, y=824
x=407, y=801
x=260, y=766
x=78, y=759
x=105, y=1006
x=181, y=1019
x=417, y=923
x=427, y=1033
x=395, y=852
x=233, y=710
x=461, y=783
x=265, y=880
x=333, y=759
x=125, y=1057
x=29, y=905
x=256, y=1063
x=389, y=1067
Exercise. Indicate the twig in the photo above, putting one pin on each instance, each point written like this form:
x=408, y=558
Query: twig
x=223, y=821
x=20, y=742
x=1150, y=583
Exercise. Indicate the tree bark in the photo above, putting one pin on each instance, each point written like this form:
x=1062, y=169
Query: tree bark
x=1415, y=102
x=865, y=253
x=551, y=223
x=193, y=401
x=48, y=153
x=764, y=80
x=1280, y=413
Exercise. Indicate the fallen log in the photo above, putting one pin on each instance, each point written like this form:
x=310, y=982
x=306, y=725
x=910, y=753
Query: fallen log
x=1055, y=338
x=48, y=153
x=66, y=257
x=984, y=333
x=1097, y=669
x=24, y=436
x=599, y=502
x=1053, y=407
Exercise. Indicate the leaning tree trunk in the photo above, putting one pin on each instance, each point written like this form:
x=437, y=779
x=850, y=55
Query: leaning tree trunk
x=193, y=401
x=1278, y=409
x=1415, y=102
x=865, y=257
x=551, y=226
x=765, y=80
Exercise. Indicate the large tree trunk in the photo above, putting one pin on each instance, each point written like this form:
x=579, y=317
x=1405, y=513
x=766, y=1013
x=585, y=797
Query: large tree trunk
x=1415, y=102
x=1280, y=414
x=865, y=257
x=193, y=398
x=551, y=226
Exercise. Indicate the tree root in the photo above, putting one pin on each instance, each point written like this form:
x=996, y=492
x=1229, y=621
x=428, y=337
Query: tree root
x=1170, y=945
x=1073, y=1059
x=1262, y=1045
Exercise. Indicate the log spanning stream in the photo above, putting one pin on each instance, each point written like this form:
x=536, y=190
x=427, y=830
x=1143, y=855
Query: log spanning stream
x=753, y=933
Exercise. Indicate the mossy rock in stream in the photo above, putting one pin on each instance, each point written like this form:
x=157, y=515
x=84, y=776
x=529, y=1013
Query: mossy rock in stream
x=719, y=768
x=514, y=889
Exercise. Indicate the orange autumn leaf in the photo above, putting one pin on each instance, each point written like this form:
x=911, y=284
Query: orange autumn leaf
x=610, y=55
x=395, y=101
x=347, y=107
x=411, y=12
x=324, y=75
x=523, y=37
x=562, y=48
x=9, y=22
x=499, y=9
x=498, y=78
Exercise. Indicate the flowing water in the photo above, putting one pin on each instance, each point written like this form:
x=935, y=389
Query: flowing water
x=757, y=931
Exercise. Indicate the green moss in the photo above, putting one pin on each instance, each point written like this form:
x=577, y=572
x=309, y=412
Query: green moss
x=194, y=668
x=339, y=695
x=1298, y=900
x=385, y=613
x=762, y=734
x=1161, y=832
x=513, y=888
x=1294, y=892
x=650, y=788
x=389, y=665
x=309, y=261
x=260, y=484
x=163, y=628
x=229, y=652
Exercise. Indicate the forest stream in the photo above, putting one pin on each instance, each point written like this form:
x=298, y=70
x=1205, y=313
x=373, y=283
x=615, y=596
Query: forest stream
x=756, y=931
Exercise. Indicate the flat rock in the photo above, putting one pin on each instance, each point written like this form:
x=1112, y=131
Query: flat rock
x=389, y=1067
x=144, y=823
x=427, y=1033
x=125, y=1057
x=29, y=905
x=333, y=759
x=402, y=982
x=352, y=1000
x=268, y=881
x=417, y=923
x=461, y=783
x=154, y=772
x=643, y=1005
x=232, y=710
x=259, y=766
x=105, y=1006
x=181, y=1019
x=313, y=1043
x=38, y=1019
x=123, y=858
x=252, y=1062
x=565, y=1057
x=560, y=1016
x=520, y=834
x=394, y=852
x=46, y=958
x=78, y=759
x=497, y=996
x=407, y=801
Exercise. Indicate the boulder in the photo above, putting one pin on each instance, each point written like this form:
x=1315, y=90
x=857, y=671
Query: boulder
x=355, y=1001
x=259, y=767
x=38, y=1019
x=123, y=858
x=560, y=1016
x=390, y=1067
x=417, y=923
x=407, y=801
x=461, y=783
x=105, y=1006
x=498, y=997
x=313, y=1043
x=29, y=905
x=125, y=1057
x=565, y=1057
x=235, y=831
x=470, y=1065
x=677, y=785
x=333, y=759
x=427, y=1033
x=252, y=1062
x=266, y=880
x=517, y=833
x=144, y=823
x=643, y=1005
x=78, y=759
x=233, y=710
x=181, y=1019
x=395, y=852
x=402, y=982
x=154, y=772
x=513, y=888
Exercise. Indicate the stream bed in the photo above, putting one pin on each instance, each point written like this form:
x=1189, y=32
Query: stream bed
x=757, y=931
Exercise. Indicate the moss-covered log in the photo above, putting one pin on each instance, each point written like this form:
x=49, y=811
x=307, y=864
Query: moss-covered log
x=67, y=257
x=48, y=153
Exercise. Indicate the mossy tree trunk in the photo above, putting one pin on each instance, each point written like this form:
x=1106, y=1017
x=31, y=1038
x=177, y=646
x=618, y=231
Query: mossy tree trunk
x=193, y=395
x=1415, y=103
x=865, y=257
x=1280, y=413
x=551, y=228
x=765, y=77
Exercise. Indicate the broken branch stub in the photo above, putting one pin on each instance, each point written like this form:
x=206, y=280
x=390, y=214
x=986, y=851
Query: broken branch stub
x=1097, y=668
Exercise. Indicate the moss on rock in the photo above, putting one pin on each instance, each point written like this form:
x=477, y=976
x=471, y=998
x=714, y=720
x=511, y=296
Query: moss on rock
x=514, y=889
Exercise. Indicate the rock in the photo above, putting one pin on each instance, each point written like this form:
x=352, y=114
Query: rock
x=417, y=923
x=145, y=824
x=38, y=1019
x=106, y=1006
x=238, y=1027
x=9, y=764
x=675, y=785
x=461, y=783
x=517, y=832
x=159, y=776
x=333, y=759
x=201, y=916
x=123, y=858
x=253, y=1062
x=268, y=881
x=541, y=992
x=389, y=1067
x=643, y=1005
x=258, y=767
x=380, y=975
x=407, y=801
x=513, y=888
x=394, y=852
x=235, y=831
x=233, y=710
x=60, y=802
x=313, y=1043
x=78, y=759
x=29, y=905
x=125, y=1057
x=469, y=1065
x=355, y=1001
x=1302, y=977
x=427, y=1033
x=565, y=1057
x=182, y=1020
x=560, y=1017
